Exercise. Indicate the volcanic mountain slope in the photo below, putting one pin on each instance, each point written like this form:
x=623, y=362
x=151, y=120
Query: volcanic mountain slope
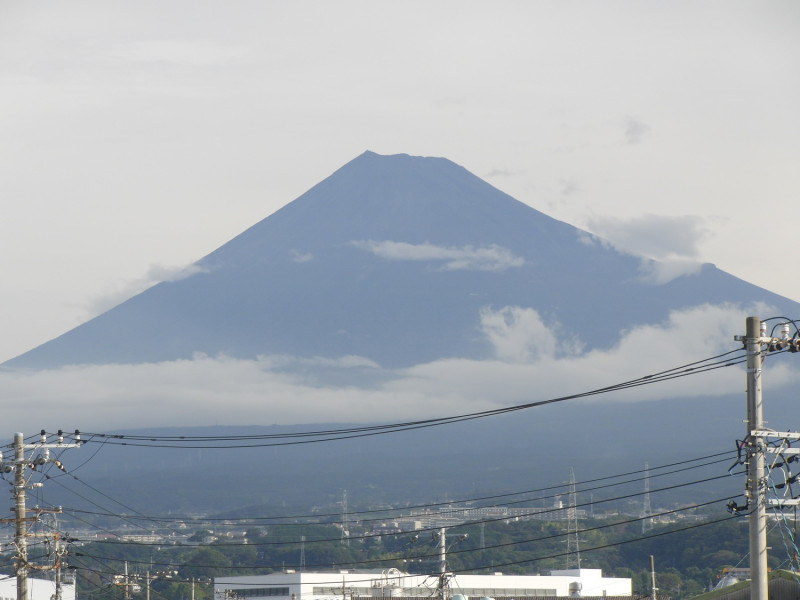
x=397, y=259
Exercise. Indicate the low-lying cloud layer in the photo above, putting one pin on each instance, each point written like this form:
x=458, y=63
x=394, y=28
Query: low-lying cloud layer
x=532, y=362
x=458, y=258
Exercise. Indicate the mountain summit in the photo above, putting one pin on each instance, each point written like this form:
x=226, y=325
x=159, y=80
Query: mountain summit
x=399, y=260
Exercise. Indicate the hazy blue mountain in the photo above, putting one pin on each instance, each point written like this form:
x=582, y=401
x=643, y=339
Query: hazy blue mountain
x=313, y=279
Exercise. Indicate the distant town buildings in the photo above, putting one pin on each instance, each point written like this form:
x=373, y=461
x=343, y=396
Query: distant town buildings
x=456, y=516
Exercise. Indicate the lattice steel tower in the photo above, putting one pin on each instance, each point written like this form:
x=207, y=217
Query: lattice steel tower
x=647, y=510
x=345, y=524
x=573, y=543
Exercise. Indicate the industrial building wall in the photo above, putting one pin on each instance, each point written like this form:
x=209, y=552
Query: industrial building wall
x=38, y=589
x=394, y=585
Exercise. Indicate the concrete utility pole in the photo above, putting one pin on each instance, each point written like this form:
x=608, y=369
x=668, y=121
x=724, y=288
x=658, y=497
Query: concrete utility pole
x=21, y=530
x=757, y=445
x=755, y=491
x=442, y=550
x=654, y=589
x=442, y=586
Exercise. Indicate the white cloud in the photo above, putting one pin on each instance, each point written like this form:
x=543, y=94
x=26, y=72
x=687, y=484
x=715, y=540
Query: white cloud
x=159, y=273
x=517, y=334
x=669, y=245
x=283, y=361
x=155, y=274
x=660, y=272
x=655, y=236
x=686, y=336
x=530, y=366
x=461, y=258
x=301, y=257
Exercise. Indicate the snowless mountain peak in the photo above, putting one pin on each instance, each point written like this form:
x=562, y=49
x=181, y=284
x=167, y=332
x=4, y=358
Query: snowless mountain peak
x=393, y=259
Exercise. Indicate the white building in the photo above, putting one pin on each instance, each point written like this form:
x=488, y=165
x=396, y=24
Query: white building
x=391, y=583
x=38, y=589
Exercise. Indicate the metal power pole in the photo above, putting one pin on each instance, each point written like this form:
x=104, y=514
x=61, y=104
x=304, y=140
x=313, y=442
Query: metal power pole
x=755, y=489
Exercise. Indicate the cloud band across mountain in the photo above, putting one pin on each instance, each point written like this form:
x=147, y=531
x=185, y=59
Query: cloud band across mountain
x=532, y=360
x=452, y=258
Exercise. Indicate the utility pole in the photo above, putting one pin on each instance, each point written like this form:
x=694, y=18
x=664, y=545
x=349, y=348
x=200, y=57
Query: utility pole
x=21, y=486
x=59, y=552
x=442, y=550
x=756, y=445
x=21, y=529
x=654, y=589
x=443, y=587
x=302, y=553
x=126, y=583
x=443, y=578
x=755, y=487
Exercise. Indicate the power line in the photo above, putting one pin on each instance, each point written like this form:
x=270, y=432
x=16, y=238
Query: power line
x=317, y=436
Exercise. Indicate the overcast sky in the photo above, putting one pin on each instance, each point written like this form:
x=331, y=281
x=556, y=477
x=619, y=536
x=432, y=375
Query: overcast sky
x=137, y=137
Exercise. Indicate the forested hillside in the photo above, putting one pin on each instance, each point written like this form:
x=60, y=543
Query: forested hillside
x=689, y=555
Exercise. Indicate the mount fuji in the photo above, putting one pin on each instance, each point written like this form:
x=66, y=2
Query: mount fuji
x=399, y=260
